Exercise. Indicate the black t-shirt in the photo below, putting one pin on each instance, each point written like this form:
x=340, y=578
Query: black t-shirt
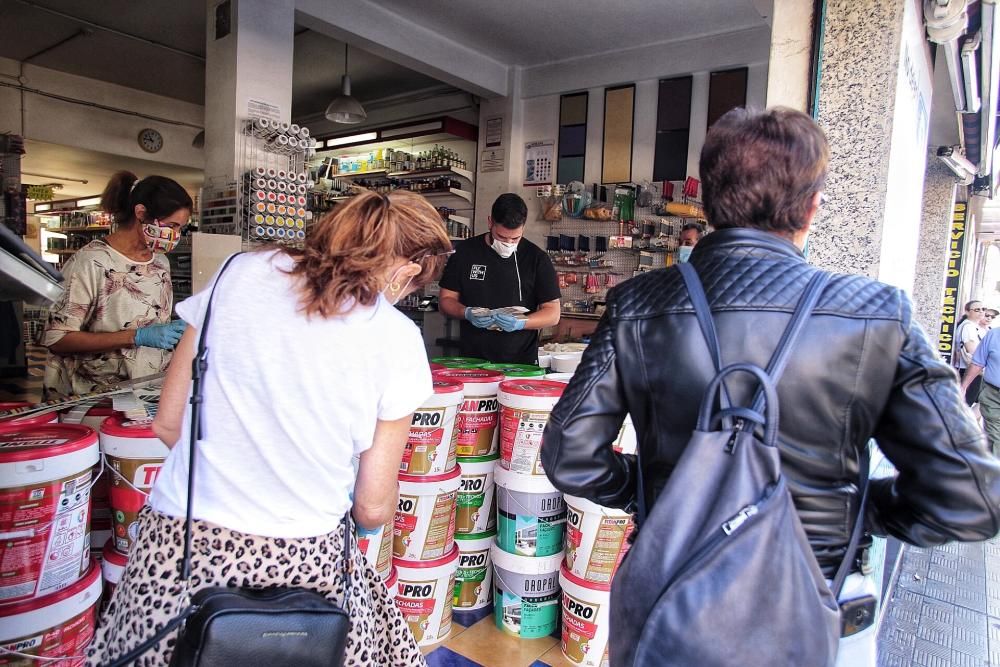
x=484, y=279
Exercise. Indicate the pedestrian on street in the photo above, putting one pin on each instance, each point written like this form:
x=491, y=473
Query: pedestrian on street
x=986, y=363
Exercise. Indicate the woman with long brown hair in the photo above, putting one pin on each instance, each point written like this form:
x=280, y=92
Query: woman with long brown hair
x=309, y=365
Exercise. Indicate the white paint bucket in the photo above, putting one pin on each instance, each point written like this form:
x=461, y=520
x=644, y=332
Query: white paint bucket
x=596, y=539
x=54, y=626
x=100, y=496
x=430, y=446
x=524, y=411
x=474, y=578
x=559, y=377
x=585, y=620
x=134, y=457
x=425, y=593
x=478, y=418
x=424, y=525
x=566, y=363
x=46, y=473
x=377, y=548
x=627, y=441
x=392, y=583
x=112, y=567
x=531, y=514
x=475, y=513
x=19, y=423
x=526, y=594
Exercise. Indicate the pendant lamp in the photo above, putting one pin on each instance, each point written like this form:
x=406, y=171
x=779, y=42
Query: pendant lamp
x=344, y=108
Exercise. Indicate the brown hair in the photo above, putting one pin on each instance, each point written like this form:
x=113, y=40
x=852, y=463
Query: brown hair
x=160, y=195
x=761, y=169
x=347, y=251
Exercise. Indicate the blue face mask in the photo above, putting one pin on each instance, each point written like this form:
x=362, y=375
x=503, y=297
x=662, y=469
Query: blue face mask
x=684, y=253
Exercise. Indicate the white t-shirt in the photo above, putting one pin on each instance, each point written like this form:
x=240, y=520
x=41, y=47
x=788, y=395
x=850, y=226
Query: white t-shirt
x=969, y=335
x=288, y=402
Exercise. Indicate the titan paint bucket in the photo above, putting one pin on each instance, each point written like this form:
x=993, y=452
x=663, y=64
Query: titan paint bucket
x=392, y=583
x=585, y=620
x=475, y=513
x=18, y=423
x=524, y=411
x=134, y=458
x=46, y=473
x=430, y=446
x=474, y=578
x=112, y=567
x=100, y=496
x=526, y=593
x=60, y=625
x=627, y=441
x=425, y=592
x=478, y=418
x=596, y=539
x=517, y=370
x=424, y=525
x=531, y=514
x=460, y=362
x=377, y=548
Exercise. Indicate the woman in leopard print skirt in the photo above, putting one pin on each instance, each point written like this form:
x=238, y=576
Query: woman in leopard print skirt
x=308, y=367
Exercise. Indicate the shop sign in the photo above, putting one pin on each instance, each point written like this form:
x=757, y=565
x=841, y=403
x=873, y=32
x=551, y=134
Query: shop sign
x=262, y=109
x=492, y=160
x=952, y=283
x=494, y=132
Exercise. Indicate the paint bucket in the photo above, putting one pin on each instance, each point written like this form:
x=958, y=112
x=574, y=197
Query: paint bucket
x=596, y=539
x=392, y=583
x=566, y=363
x=430, y=446
x=517, y=370
x=531, y=514
x=377, y=548
x=100, y=496
x=526, y=593
x=559, y=377
x=585, y=620
x=93, y=416
x=475, y=513
x=627, y=441
x=460, y=362
x=112, y=567
x=479, y=417
x=47, y=473
x=54, y=626
x=524, y=411
x=18, y=423
x=424, y=525
x=424, y=595
x=544, y=359
x=134, y=457
x=474, y=578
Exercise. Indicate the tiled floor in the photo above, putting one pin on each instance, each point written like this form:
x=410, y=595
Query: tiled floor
x=475, y=641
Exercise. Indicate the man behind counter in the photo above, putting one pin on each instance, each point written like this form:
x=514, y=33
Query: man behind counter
x=498, y=269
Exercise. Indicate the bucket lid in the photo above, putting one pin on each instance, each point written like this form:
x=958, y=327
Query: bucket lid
x=93, y=575
x=447, y=559
x=564, y=573
x=532, y=387
x=469, y=375
x=522, y=483
x=110, y=554
x=38, y=442
x=452, y=362
x=18, y=421
x=118, y=425
x=98, y=410
x=526, y=565
x=478, y=459
x=472, y=537
x=517, y=370
x=424, y=479
x=442, y=386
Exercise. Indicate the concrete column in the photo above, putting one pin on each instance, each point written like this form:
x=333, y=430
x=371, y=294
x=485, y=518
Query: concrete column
x=932, y=256
x=253, y=62
x=874, y=102
x=791, y=54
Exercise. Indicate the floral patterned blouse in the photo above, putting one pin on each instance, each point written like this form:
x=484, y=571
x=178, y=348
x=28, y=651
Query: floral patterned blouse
x=105, y=291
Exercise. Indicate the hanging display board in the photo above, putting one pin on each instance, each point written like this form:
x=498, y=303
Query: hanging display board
x=952, y=282
x=538, y=159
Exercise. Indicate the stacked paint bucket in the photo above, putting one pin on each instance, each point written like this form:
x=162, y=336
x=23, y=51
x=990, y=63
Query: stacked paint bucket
x=50, y=586
x=422, y=535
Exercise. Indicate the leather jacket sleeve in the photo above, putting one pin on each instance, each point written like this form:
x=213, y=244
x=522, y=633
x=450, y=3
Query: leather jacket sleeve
x=577, y=452
x=948, y=483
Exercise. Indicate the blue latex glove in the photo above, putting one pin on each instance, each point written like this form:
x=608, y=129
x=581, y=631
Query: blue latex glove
x=480, y=321
x=162, y=336
x=509, y=322
x=365, y=532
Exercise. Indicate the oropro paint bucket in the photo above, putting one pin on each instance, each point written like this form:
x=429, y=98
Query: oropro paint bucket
x=18, y=423
x=526, y=593
x=430, y=446
x=424, y=595
x=524, y=411
x=134, y=458
x=474, y=578
x=627, y=441
x=596, y=539
x=585, y=620
x=475, y=513
x=517, y=370
x=531, y=514
x=424, y=525
x=377, y=548
x=54, y=626
x=112, y=567
x=478, y=418
x=392, y=583
x=45, y=477
x=460, y=362
x=559, y=377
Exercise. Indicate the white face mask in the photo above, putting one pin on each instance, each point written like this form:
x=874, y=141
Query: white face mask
x=684, y=253
x=502, y=248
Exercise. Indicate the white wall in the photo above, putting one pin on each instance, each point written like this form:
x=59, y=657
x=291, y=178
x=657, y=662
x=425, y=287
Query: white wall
x=68, y=124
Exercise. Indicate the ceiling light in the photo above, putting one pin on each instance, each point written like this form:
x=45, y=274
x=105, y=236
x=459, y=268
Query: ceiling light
x=351, y=139
x=344, y=108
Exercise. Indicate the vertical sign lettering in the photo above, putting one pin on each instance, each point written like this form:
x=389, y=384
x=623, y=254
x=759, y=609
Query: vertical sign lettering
x=952, y=283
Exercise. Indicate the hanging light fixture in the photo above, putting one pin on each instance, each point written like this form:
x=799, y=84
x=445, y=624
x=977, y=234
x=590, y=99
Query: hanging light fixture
x=344, y=108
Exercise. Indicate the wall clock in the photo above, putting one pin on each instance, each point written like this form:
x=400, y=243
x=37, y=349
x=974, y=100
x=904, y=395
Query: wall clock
x=150, y=140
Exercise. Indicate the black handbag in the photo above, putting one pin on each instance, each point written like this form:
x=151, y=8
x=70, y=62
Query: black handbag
x=248, y=627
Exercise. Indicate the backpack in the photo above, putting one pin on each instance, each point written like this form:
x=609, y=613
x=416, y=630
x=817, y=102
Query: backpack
x=721, y=572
